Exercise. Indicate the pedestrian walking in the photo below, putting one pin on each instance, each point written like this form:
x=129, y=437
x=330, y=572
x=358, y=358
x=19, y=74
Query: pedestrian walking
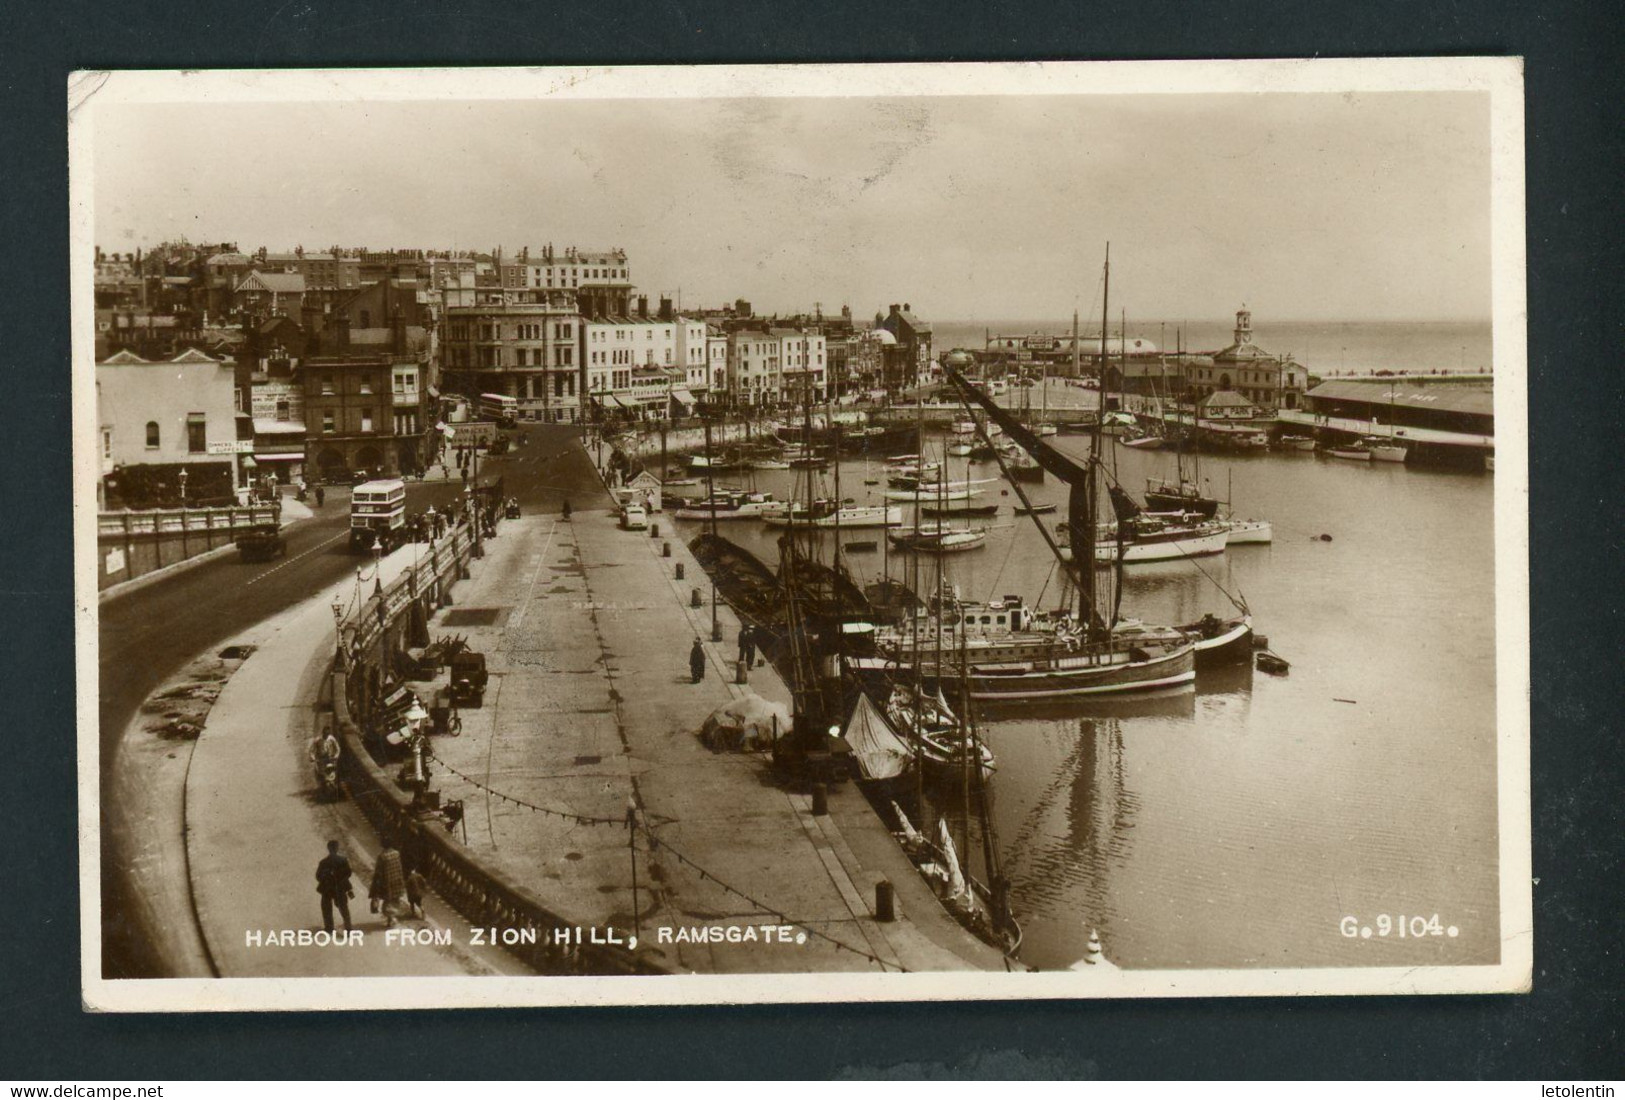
x=333, y=884
x=416, y=887
x=747, y=646
x=696, y=661
x=388, y=889
x=321, y=495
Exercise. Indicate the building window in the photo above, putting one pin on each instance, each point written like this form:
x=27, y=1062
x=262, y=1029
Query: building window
x=107, y=443
x=282, y=410
x=366, y=420
x=152, y=435
x=327, y=421
x=366, y=383
x=327, y=382
x=196, y=434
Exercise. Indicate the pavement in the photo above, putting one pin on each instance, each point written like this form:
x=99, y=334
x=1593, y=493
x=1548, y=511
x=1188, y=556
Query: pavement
x=145, y=636
x=255, y=829
x=591, y=708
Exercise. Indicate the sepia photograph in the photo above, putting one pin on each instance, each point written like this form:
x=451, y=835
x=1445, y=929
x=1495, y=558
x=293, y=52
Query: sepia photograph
x=705, y=535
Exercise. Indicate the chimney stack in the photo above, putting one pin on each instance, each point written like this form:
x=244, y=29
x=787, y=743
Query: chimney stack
x=665, y=308
x=894, y=308
x=643, y=306
x=341, y=331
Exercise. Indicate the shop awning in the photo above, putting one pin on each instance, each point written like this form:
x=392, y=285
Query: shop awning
x=292, y=456
x=680, y=394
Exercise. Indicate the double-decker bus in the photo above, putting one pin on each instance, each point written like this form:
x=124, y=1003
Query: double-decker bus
x=500, y=408
x=378, y=514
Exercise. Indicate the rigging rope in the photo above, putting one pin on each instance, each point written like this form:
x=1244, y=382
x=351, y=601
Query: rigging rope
x=655, y=843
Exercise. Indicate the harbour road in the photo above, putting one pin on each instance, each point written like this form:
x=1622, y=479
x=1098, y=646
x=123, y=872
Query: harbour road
x=149, y=634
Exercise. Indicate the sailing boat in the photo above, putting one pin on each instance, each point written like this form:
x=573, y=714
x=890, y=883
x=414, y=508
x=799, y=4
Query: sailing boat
x=1083, y=654
x=1045, y=427
x=1384, y=448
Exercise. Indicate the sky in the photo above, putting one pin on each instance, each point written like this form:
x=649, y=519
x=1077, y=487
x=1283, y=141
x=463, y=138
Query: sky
x=1303, y=206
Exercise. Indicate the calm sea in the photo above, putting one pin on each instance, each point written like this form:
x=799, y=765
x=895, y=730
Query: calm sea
x=1324, y=347
x=1240, y=824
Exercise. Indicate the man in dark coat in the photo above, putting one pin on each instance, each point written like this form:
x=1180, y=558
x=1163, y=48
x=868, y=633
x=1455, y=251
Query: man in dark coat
x=333, y=884
x=696, y=661
x=747, y=646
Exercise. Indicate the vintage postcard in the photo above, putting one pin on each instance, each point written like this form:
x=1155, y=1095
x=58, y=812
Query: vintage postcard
x=801, y=533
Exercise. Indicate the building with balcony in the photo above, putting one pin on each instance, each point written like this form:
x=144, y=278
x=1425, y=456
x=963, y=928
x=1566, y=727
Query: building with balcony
x=602, y=281
x=525, y=344
x=803, y=373
x=754, y=373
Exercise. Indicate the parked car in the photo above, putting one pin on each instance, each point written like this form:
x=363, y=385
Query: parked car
x=468, y=679
x=634, y=517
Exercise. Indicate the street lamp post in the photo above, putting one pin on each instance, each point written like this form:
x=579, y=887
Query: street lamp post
x=183, y=487
x=474, y=500
x=420, y=775
x=338, y=630
x=377, y=567
x=711, y=502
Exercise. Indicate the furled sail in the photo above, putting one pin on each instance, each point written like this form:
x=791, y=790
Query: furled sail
x=880, y=753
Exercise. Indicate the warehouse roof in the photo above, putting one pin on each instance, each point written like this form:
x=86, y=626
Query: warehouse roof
x=1464, y=397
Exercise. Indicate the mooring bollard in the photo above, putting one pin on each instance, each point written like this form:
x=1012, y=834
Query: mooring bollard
x=820, y=794
x=885, y=901
x=665, y=549
x=741, y=672
x=694, y=598
x=654, y=530
x=679, y=569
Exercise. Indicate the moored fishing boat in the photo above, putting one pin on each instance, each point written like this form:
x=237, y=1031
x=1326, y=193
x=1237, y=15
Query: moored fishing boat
x=1218, y=641
x=1295, y=443
x=960, y=508
x=929, y=492
x=1350, y=452
x=824, y=513
x=1147, y=539
x=726, y=505
x=1180, y=495
x=937, y=538
x=944, y=750
x=1247, y=530
x=1384, y=449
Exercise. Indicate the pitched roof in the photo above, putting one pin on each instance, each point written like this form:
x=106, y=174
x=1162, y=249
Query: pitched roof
x=1464, y=397
x=122, y=358
x=277, y=282
x=1225, y=399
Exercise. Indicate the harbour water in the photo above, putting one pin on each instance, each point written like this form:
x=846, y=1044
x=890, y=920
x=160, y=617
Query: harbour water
x=1240, y=824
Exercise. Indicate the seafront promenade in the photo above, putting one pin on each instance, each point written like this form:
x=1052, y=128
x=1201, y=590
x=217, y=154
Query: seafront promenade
x=590, y=710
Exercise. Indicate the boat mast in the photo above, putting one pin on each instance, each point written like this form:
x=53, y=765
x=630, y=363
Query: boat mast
x=1083, y=542
x=913, y=612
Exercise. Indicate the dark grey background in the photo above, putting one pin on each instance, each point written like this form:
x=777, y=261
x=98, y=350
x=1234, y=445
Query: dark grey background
x=1567, y=1029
